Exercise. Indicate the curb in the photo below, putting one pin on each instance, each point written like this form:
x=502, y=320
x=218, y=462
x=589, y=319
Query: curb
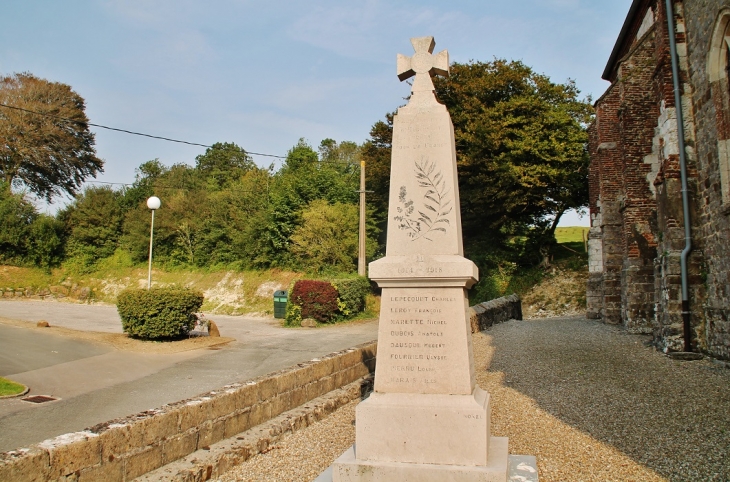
x=24, y=392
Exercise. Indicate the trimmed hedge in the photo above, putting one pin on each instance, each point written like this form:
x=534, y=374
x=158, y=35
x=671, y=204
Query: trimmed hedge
x=325, y=301
x=158, y=312
x=318, y=299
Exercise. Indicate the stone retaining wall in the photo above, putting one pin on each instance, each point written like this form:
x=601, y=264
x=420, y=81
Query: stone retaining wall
x=489, y=313
x=126, y=448
x=214, y=461
x=64, y=291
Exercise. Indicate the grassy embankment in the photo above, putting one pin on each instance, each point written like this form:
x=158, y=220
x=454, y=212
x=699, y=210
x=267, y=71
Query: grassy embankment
x=555, y=289
x=226, y=292
x=558, y=289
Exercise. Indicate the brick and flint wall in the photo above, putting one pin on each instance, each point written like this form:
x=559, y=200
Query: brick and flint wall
x=709, y=102
x=637, y=222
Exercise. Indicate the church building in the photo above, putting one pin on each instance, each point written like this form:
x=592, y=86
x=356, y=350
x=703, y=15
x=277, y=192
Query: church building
x=659, y=242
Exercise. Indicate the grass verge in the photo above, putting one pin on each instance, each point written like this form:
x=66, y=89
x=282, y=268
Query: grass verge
x=9, y=387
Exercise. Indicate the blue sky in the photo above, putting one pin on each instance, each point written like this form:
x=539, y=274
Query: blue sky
x=264, y=74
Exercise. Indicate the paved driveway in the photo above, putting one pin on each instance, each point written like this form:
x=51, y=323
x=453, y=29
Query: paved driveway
x=97, y=384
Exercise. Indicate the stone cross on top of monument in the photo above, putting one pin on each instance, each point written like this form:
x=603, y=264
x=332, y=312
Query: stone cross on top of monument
x=423, y=62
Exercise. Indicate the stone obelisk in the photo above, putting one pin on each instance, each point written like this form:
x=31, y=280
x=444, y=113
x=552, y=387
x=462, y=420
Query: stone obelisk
x=426, y=419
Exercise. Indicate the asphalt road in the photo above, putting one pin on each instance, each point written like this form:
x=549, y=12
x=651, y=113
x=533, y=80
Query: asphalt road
x=95, y=383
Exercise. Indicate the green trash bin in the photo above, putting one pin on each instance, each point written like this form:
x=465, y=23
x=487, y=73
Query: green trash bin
x=280, y=299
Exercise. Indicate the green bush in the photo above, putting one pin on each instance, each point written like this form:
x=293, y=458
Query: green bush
x=158, y=312
x=293, y=316
x=352, y=292
x=326, y=301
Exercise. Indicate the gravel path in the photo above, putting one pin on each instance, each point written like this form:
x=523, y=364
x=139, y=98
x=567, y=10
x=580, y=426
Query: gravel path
x=590, y=401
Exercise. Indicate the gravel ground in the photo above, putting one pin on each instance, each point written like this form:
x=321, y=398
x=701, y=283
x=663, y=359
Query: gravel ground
x=590, y=401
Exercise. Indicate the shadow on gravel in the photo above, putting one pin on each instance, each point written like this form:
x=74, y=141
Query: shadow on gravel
x=670, y=416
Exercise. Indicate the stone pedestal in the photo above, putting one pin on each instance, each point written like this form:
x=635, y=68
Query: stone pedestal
x=427, y=419
x=348, y=468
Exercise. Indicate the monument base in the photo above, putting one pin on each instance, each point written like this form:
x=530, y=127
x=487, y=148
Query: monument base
x=424, y=428
x=347, y=468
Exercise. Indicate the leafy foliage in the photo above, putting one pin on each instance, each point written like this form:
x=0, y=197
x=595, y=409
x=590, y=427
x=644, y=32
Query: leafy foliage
x=293, y=315
x=16, y=217
x=351, y=294
x=27, y=237
x=326, y=301
x=46, y=242
x=521, y=144
x=47, y=154
x=317, y=299
x=521, y=148
x=159, y=312
x=327, y=239
x=94, y=223
x=222, y=164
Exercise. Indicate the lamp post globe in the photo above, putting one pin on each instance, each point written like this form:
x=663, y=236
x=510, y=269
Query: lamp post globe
x=153, y=203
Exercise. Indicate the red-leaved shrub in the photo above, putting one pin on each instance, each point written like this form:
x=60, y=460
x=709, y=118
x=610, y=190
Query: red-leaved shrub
x=318, y=299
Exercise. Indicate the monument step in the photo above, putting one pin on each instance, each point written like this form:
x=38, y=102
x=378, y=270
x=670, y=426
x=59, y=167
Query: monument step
x=520, y=468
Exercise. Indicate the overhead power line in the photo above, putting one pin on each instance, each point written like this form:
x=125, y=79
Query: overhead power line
x=127, y=131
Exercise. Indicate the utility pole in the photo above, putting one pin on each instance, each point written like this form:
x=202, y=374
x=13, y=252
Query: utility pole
x=361, y=268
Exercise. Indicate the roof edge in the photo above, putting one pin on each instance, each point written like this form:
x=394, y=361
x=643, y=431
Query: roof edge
x=625, y=31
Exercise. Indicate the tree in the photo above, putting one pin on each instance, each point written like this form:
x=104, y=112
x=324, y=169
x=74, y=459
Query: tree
x=94, y=225
x=26, y=237
x=49, y=150
x=303, y=178
x=521, y=145
x=223, y=163
x=327, y=239
x=521, y=148
x=346, y=154
x=16, y=218
x=376, y=153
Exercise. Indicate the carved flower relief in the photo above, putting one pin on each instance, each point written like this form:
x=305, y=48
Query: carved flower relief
x=433, y=209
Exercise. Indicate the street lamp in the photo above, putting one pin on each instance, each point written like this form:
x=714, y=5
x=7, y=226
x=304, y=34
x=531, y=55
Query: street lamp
x=153, y=203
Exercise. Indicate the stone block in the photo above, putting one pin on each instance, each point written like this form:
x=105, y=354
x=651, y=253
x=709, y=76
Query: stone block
x=116, y=439
x=350, y=359
x=210, y=432
x=107, y=471
x=340, y=378
x=281, y=403
x=72, y=452
x=25, y=465
x=247, y=396
x=179, y=446
x=298, y=396
x=193, y=414
x=424, y=428
x=323, y=368
x=267, y=388
x=261, y=412
x=286, y=381
x=142, y=461
x=222, y=404
x=325, y=385
x=237, y=422
x=347, y=468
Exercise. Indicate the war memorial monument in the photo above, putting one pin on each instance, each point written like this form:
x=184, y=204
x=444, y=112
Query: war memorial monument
x=426, y=420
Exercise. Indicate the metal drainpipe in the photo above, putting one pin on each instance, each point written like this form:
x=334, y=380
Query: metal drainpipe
x=683, y=170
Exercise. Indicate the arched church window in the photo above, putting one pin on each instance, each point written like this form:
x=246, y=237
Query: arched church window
x=718, y=70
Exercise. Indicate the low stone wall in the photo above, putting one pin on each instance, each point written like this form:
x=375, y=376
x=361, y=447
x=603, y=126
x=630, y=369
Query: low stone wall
x=63, y=291
x=214, y=461
x=126, y=448
x=489, y=313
